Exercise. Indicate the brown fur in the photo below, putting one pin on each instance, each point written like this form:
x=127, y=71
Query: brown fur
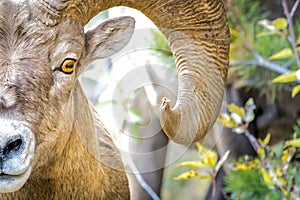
x=72, y=160
x=77, y=173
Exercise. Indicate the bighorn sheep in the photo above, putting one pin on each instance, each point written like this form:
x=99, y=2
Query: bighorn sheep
x=52, y=145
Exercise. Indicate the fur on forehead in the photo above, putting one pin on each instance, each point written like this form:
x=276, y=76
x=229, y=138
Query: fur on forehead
x=23, y=37
x=17, y=30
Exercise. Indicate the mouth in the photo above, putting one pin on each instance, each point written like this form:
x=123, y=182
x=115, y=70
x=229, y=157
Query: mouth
x=12, y=183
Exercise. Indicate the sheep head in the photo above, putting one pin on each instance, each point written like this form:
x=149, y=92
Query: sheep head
x=43, y=49
x=39, y=66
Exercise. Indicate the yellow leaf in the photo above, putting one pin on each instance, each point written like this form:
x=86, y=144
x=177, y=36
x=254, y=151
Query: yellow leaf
x=278, y=171
x=234, y=32
x=284, y=53
x=261, y=152
x=201, y=148
x=265, y=141
x=187, y=175
x=283, y=181
x=236, y=109
x=191, y=164
x=298, y=45
x=285, y=155
x=280, y=23
x=226, y=120
x=205, y=177
x=209, y=159
x=254, y=162
x=295, y=91
x=267, y=179
x=288, y=154
x=285, y=78
x=242, y=167
x=295, y=143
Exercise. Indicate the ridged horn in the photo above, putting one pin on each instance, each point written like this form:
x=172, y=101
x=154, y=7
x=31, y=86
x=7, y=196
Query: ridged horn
x=198, y=35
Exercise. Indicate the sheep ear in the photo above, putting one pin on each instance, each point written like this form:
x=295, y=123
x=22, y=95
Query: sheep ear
x=108, y=38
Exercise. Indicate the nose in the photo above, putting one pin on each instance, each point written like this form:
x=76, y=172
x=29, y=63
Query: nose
x=11, y=147
x=3, y=101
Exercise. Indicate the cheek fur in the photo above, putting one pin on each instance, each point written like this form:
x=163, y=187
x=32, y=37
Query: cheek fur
x=54, y=131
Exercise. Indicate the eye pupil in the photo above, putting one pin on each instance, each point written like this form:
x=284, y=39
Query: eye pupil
x=68, y=66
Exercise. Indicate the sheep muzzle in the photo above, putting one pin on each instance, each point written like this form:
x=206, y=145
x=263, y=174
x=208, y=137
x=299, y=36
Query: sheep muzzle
x=16, y=154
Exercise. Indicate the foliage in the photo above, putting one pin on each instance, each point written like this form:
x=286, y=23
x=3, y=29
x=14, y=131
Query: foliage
x=161, y=49
x=289, y=77
x=206, y=167
x=239, y=118
x=249, y=184
x=251, y=34
x=271, y=175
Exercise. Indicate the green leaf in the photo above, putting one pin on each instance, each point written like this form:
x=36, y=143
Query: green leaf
x=280, y=23
x=263, y=34
x=285, y=78
x=135, y=116
x=135, y=131
x=295, y=91
x=284, y=53
x=106, y=103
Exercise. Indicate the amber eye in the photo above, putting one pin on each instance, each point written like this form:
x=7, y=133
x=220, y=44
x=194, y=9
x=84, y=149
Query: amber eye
x=68, y=66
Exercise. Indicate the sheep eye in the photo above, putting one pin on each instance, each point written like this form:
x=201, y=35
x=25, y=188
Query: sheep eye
x=68, y=66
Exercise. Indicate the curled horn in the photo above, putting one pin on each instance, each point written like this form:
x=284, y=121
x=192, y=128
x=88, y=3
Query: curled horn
x=198, y=35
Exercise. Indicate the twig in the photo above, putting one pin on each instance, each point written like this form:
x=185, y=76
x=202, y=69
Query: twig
x=262, y=62
x=252, y=140
x=141, y=181
x=256, y=146
x=289, y=16
x=295, y=6
x=136, y=173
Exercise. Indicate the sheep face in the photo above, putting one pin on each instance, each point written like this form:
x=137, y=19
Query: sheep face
x=39, y=66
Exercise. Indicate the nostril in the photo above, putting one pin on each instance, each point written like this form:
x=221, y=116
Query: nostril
x=3, y=101
x=11, y=146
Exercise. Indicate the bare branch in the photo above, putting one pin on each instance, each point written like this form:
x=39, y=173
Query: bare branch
x=136, y=173
x=289, y=16
x=262, y=62
x=295, y=6
x=265, y=63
